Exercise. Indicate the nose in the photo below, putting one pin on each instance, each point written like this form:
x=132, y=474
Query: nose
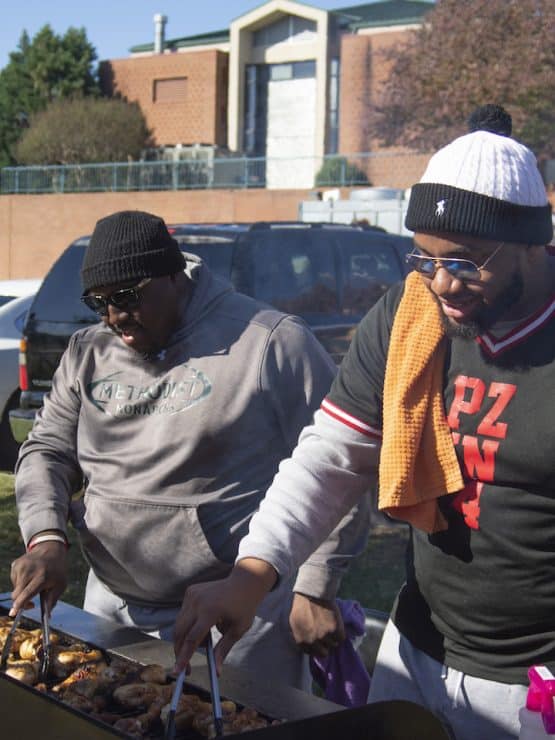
x=443, y=283
x=114, y=314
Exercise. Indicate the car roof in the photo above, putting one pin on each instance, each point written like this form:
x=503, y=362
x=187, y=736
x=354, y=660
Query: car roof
x=10, y=312
x=19, y=287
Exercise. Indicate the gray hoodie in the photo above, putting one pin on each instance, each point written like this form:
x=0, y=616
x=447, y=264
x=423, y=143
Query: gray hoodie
x=177, y=451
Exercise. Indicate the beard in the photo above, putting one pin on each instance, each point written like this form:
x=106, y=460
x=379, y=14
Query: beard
x=488, y=315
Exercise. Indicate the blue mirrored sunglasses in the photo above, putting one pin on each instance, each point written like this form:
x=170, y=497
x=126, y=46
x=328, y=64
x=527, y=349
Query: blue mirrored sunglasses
x=122, y=299
x=462, y=269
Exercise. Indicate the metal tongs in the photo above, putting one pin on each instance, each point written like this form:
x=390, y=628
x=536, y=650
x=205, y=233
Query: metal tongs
x=6, y=650
x=214, y=688
x=170, y=726
x=45, y=623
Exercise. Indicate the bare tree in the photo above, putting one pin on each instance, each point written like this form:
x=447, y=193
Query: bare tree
x=468, y=53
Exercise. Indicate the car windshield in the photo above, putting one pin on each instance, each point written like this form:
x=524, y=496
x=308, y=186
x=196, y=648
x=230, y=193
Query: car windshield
x=299, y=274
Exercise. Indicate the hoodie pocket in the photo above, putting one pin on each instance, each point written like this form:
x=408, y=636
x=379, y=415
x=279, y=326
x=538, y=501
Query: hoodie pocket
x=148, y=553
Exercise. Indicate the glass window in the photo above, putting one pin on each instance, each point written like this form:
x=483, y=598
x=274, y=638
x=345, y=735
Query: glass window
x=281, y=72
x=333, y=109
x=304, y=69
x=59, y=298
x=19, y=321
x=369, y=265
x=291, y=28
x=295, y=272
x=216, y=251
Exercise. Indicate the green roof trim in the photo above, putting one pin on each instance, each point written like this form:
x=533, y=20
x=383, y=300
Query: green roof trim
x=384, y=13
x=201, y=39
x=381, y=13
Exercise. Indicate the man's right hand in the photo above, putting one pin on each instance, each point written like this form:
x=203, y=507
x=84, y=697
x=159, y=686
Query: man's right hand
x=230, y=604
x=42, y=569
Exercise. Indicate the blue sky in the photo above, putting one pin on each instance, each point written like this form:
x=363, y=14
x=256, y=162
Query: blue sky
x=113, y=27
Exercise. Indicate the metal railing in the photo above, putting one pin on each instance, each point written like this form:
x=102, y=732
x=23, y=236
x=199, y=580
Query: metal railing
x=204, y=173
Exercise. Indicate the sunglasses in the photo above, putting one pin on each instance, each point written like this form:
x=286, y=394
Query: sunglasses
x=123, y=299
x=461, y=269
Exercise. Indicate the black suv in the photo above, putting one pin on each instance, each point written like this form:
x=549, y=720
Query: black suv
x=329, y=274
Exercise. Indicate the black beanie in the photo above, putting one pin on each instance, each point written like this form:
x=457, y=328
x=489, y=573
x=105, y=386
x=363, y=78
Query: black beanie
x=129, y=245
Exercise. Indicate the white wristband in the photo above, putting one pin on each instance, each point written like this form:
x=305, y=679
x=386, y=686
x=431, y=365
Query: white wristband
x=46, y=538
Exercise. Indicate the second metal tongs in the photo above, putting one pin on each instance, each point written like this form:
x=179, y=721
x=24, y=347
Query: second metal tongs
x=214, y=688
x=45, y=623
x=6, y=650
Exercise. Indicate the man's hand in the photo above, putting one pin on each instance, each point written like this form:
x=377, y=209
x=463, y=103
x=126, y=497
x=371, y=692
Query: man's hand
x=230, y=604
x=43, y=569
x=316, y=625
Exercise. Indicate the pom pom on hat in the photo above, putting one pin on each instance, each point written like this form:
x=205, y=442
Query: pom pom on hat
x=483, y=184
x=129, y=245
x=491, y=117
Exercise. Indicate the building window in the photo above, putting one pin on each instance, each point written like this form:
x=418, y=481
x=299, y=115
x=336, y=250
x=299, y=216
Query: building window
x=170, y=90
x=290, y=28
x=256, y=109
x=333, y=108
x=292, y=70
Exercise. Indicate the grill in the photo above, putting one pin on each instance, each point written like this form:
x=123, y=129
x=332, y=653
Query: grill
x=28, y=713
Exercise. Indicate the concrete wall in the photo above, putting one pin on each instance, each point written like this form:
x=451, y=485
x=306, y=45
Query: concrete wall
x=35, y=229
x=291, y=133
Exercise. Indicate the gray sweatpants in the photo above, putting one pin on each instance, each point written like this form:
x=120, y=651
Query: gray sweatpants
x=269, y=641
x=470, y=708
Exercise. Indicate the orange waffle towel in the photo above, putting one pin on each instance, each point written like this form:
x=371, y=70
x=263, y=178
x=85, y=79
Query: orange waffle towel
x=418, y=462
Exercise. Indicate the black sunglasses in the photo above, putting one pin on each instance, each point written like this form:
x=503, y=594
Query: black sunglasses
x=123, y=299
x=461, y=269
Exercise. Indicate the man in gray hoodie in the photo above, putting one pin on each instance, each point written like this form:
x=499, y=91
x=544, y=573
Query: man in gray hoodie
x=173, y=414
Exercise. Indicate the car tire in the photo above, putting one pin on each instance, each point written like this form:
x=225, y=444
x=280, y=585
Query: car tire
x=9, y=448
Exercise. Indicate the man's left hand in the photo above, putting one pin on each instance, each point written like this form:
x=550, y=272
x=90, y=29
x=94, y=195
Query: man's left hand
x=316, y=625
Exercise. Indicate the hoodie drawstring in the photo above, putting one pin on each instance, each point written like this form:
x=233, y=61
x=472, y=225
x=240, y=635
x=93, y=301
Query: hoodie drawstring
x=458, y=686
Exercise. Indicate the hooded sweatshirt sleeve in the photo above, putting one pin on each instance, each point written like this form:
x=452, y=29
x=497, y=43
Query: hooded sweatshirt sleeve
x=47, y=471
x=333, y=466
x=297, y=374
x=332, y=469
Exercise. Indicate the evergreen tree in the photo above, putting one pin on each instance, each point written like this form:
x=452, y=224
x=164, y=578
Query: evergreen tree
x=46, y=68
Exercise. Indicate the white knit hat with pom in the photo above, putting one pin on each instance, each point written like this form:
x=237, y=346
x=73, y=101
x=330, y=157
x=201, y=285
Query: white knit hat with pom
x=485, y=185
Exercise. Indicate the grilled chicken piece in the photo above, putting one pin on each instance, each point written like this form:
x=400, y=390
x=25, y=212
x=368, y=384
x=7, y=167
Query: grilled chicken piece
x=19, y=636
x=229, y=708
x=67, y=659
x=154, y=674
x=30, y=648
x=247, y=719
x=78, y=701
x=132, y=726
x=188, y=707
x=25, y=671
x=135, y=695
x=203, y=720
x=86, y=680
x=139, y=725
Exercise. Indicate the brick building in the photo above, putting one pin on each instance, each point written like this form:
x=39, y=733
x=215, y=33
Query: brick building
x=287, y=82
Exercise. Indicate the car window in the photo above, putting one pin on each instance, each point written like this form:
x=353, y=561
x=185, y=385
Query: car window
x=216, y=251
x=369, y=264
x=19, y=321
x=60, y=293
x=6, y=299
x=293, y=271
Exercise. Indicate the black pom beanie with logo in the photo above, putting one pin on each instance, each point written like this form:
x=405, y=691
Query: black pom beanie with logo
x=129, y=245
x=483, y=184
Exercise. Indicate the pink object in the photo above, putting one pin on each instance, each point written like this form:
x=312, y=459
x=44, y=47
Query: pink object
x=540, y=695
